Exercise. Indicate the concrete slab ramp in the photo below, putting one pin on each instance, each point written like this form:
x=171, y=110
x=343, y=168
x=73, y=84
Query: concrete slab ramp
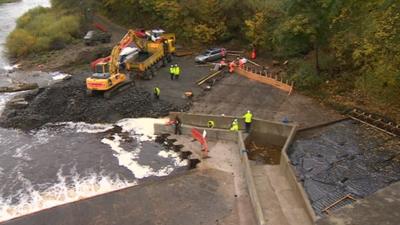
x=199, y=197
x=280, y=203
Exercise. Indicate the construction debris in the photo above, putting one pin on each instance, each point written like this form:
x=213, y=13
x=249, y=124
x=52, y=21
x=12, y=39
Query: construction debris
x=275, y=62
x=254, y=63
x=19, y=87
x=206, y=78
x=235, y=52
x=239, y=55
x=181, y=53
x=376, y=122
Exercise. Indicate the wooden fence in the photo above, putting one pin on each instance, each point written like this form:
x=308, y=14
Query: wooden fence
x=266, y=78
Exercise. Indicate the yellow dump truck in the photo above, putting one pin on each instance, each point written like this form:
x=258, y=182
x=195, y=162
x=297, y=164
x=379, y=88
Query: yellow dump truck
x=113, y=72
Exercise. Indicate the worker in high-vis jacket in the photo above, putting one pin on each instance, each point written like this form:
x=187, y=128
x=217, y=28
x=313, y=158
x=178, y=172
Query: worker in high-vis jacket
x=248, y=119
x=157, y=92
x=232, y=66
x=177, y=71
x=211, y=124
x=234, y=125
x=172, y=72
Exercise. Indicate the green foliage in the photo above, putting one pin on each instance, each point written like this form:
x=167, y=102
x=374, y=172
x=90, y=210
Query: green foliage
x=7, y=1
x=256, y=30
x=42, y=29
x=200, y=21
x=367, y=41
x=304, y=75
x=293, y=37
x=20, y=41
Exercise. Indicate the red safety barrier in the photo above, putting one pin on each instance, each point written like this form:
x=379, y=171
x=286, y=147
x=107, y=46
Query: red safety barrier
x=100, y=27
x=199, y=137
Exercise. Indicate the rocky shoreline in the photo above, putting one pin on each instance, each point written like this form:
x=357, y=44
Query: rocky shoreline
x=67, y=101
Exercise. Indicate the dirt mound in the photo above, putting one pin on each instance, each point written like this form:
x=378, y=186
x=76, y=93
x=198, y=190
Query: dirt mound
x=67, y=101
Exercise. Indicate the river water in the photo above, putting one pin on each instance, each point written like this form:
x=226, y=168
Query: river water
x=65, y=162
x=9, y=13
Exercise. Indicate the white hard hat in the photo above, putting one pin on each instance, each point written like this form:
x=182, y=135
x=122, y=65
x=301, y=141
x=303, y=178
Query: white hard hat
x=172, y=65
x=248, y=111
x=235, y=120
x=176, y=64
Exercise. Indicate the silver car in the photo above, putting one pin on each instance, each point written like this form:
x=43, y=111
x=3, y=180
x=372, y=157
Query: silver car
x=210, y=55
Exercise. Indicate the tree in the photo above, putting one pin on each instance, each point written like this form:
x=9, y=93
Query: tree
x=256, y=31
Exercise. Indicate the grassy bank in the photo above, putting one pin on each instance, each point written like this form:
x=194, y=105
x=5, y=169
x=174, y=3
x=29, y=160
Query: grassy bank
x=8, y=1
x=42, y=29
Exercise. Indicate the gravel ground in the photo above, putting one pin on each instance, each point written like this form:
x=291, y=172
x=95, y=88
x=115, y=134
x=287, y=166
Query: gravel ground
x=67, y=101
x=235, y=95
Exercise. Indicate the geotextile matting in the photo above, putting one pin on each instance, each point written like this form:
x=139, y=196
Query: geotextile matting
x=344, y=158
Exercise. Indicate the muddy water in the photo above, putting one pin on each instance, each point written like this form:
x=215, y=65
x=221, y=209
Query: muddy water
x=265, y=154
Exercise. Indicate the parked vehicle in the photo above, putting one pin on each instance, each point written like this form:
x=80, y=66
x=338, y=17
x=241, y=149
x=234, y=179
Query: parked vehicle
x=93, y=37
x=210, y=55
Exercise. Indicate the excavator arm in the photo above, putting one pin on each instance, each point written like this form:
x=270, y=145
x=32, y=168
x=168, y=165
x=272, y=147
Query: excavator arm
x=129, y=37
x=114, y=61
x=109, y=79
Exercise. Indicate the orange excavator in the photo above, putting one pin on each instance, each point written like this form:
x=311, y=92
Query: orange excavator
x=136, y=55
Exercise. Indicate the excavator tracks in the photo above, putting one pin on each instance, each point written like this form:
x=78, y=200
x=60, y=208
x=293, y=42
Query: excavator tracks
x=118, y=89
x=113, y=91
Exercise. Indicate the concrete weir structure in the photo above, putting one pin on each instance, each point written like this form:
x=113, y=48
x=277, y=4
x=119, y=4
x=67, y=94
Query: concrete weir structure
x=225, y=189
x=276, y=196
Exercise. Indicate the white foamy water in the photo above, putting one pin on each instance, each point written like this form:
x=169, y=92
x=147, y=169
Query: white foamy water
x=74, y=186
x=82, y=127
x=58, y=194
x=144, y=127
x=4, y=98
x=143, y=130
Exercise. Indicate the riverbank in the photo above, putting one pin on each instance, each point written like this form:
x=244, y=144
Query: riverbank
x=8, y=1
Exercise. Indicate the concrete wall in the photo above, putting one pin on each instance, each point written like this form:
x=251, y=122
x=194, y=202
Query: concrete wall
x=287, y=168
x=251, y=186
x=212, y=134
x=271, y=132
x=267, y=131
x=236, y=137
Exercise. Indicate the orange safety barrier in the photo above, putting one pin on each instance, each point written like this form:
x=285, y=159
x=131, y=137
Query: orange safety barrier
x=266, y=79
x=199, y=137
